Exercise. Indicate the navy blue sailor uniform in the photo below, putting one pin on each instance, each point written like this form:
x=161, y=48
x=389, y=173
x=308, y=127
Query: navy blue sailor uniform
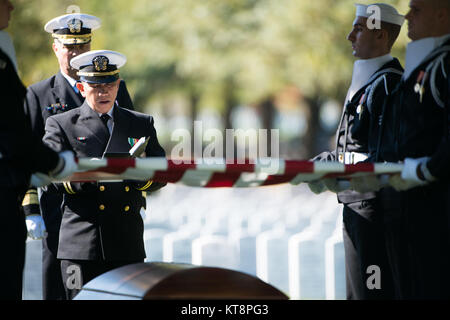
x=417, y=124
x=101, y=221
x=356, y=141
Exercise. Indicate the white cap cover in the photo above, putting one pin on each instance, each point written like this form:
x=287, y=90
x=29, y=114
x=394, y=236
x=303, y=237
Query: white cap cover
x=98, y=66
x=387, y=12
x=62, y=22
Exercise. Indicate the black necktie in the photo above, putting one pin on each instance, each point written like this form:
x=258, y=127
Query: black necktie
x=105, y=117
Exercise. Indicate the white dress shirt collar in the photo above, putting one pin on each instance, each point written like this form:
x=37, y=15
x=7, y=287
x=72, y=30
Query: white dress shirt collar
x=418, y=50
x=362, y=71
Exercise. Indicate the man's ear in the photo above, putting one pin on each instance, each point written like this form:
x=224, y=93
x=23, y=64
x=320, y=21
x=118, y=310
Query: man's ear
x=382, y=34
x=80, y=87
x=54, y=47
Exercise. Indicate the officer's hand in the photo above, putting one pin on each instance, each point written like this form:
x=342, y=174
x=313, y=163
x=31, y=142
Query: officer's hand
x=336, y=185
x=317, y=186
x=66, y=167
x=35, y=226
x=39, y=180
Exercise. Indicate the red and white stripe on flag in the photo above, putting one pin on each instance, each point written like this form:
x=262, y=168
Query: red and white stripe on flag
x=211, y=173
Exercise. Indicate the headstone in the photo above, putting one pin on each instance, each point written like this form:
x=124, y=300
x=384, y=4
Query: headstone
x=272, y=257
x=246, y=245
x=214, y=251
x=177, y=246
x=307, y=256
x=32, y=275
x=335, y=264
x=153, y=241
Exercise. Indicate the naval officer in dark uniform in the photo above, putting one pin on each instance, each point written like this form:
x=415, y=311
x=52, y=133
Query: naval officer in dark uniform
x=17, y=145
x=101, y=226
x=417, y=133
x=374, y=77
x=72, y=35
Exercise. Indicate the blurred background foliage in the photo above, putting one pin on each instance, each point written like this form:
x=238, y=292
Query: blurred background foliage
x=282, y=64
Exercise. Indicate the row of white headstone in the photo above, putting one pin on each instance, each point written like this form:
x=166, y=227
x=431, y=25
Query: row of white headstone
x=284, y=235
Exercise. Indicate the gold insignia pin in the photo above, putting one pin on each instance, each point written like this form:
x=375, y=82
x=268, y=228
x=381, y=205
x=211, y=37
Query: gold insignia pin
x=100, y=63
x=75, y=25
x=421, y=93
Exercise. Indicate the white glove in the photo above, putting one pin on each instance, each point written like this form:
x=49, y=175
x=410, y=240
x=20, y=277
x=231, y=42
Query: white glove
x=369, y=183
x=335, y=185
x=69, y=166
x=142, y=213
x=317, y=186
x=39, y=180
x=409, y=171
x=409, y=178
x=36, y=227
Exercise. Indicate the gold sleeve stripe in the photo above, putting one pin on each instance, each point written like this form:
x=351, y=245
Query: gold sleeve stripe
x=68, y=188
x=30, y=198
x=147, y=185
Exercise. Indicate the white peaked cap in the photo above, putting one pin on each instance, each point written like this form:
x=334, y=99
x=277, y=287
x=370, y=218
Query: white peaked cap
x=388, y=13
x=85, y=59
x=61, y=22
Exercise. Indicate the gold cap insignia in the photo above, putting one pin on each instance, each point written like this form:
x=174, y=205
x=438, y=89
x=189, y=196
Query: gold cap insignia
x=75, y=25
x=100, y=63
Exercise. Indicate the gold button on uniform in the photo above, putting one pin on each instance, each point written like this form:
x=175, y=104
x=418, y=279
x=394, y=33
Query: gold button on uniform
x=127, y=208
x=102, y=188
x=101, y=207
x=127, y=188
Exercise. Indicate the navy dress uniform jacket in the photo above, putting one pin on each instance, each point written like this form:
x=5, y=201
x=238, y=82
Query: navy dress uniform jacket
x=103, y=223
x=358, y=132
x=44, y=99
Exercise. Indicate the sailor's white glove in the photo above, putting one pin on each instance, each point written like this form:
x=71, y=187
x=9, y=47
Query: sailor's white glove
x=335, y=185
x=409, y=177
x=35, y=226
x=66, y=166
x=317, y=186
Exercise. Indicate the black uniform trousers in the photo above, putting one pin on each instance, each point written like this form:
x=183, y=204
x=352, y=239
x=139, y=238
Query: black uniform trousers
x=12, y=243
x=363, y=237
x=417, y=239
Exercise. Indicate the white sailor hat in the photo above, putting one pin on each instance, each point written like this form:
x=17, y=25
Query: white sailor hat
x=387, y=12
x=73, y=28
x=98, y=66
